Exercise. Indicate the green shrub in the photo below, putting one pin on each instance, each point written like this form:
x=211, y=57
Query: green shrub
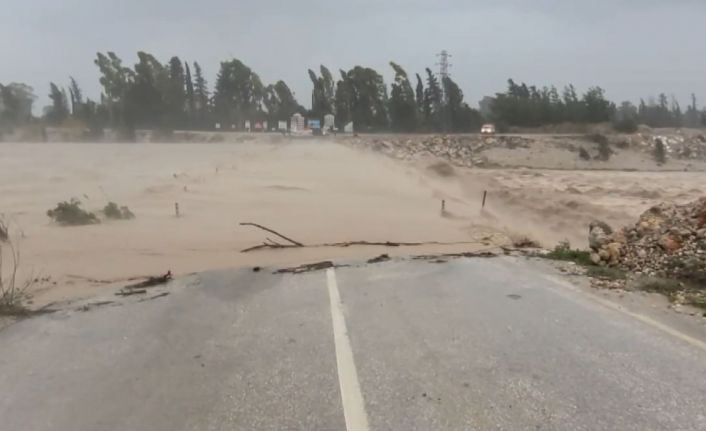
x=584, y=154
x=676, y=290
x=660, y=153
x=604, y=151
x=606, y=272
x=659, y=285
x=71, y=214
x=580, y=257
x=626, y=125
x=597, y=138
x=113, y=211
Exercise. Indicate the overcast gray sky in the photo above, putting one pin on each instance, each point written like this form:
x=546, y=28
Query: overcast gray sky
x=632, y=48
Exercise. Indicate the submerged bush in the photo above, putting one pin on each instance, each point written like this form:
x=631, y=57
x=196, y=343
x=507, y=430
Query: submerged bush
x=71, y=214
x=113, y=211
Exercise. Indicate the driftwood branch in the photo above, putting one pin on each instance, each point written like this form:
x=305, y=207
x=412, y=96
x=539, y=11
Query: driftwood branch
x=151, y=281
x=266, y=245
x=140, y=288
x=387, y=243
x=271, y=244
x=295, y=243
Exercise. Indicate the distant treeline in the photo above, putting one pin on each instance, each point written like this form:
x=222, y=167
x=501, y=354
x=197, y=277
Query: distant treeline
x=529, y=106
x=176, y=95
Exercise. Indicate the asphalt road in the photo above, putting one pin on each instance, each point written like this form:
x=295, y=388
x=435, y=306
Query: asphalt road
x=486, y=344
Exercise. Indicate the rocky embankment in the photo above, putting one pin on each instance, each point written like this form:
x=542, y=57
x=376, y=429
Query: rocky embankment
x=668, y=240
x=473, y=150
x=459, y=150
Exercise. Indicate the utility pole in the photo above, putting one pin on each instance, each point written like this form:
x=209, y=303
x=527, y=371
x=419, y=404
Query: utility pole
x=444, y=63
x=444, y=66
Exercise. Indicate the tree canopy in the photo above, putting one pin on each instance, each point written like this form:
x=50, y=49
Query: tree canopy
x=175, y=94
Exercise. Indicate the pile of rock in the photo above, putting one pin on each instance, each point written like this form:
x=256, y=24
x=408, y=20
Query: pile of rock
x=676, y=146
x=668, y=240
x=458, y=150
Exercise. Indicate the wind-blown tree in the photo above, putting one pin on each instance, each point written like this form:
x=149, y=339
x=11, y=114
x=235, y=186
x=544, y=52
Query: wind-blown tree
x=557, y=110
x=77, y=106
x=458, y=116
x=625, y=118
x=323, y=93
x=597, y=109
x=329, y=86
x=238, y=94
x=145, y=101
x=343, y=100
x=365, y=99
x=529, y=106
x=677, y=115
x=59, y=109
x=691, y=117
x=272, y=103
x=659, y=113
x=175, y=94
x=318, y=101
x=403, y=106
x=115, y=79
x=280, y=103
x=572, y=105
x=433, y=102
x=16, y=102
x=201, y=97
x=96, y=117
x=190, y=99
x=420, y=99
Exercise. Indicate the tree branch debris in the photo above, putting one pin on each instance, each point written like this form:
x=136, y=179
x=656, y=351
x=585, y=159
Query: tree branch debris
x=141, y=287
x=271, y=244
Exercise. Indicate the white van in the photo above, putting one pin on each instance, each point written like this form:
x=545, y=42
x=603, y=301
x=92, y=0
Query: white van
x=487, y=129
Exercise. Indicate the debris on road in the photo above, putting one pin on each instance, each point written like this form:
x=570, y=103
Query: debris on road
x=130, y=292
x=159, y=295
x=381, y=258
x=91, y=305
x=317, y=266
x=468, y=254
x=270, y=244
x=151, y=281
x=141, y=287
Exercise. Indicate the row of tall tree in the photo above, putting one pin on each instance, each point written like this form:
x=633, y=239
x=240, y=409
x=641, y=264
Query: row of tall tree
x=176, y=95
x=360, y=96
x=16, y=101
x=530, y=106
x=659, y=113
x=167, y=96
